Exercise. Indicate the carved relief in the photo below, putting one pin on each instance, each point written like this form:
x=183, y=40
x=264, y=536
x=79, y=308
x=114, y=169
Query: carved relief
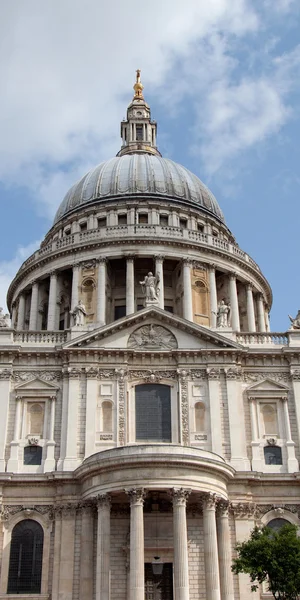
x=44, y=375
x=234, y=374
x=121, y=406
x=184, y=406
x=252, y=377
x=213, y=373
x=151, y=375
x=152, y=337
x=5, y=374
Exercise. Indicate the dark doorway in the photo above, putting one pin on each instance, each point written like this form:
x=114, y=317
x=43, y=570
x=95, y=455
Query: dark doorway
x=159, y=587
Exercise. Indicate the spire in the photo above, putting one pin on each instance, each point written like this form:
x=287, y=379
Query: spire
x=138, y=132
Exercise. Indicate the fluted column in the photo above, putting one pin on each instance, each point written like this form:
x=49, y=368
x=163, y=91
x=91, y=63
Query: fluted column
x=103, y=548
x=51, y=322
x=136, y=576
x=181, y=568
x=250, y=309
x=187, y=291
x=212, y=577
x=101, y=295
x=160, y=273
x=129, y=285
x=75, y=284
x=261, y=313
x=21, y=312
x=213, y=296
x=13, y=316
x=34, y=306
x=235, y=317
x=224, y=545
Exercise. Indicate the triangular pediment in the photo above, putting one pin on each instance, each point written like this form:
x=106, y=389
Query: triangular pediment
x=267, y=387
x=36, y=384
x=153, y=329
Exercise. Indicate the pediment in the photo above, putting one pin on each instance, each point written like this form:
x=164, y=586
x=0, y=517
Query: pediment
x=153, y=329
x=267, y=387
x=36, y=384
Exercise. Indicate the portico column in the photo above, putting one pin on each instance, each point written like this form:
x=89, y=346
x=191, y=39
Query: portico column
x=187, y=291
x=213, y=296
x=13, y=316
x=21, y=312
x=75, y=283
x=160, y=273
x=250, y=309
x=103, y=548
x=34, y=306
x=51, y=322
x=129, y=285
x=224, y=545
x=136, y=575
x=101, y=296
x=212, y=577
x=181, y=568
x=86, y=552
x=235, y=317
x=261, y=313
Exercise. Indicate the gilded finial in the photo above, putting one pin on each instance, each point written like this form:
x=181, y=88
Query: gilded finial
x=138, y=86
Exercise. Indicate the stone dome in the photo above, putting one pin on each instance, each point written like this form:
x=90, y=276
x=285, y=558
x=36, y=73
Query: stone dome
x=136, y=175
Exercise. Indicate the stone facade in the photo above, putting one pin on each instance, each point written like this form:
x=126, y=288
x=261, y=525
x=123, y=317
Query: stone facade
x=149, y=431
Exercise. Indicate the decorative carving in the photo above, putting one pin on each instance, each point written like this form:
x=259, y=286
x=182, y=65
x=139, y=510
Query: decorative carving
x=200, y=437
x=150, y=287
x=121, y=408
x=136, y=495
x=5, y=374
x=105, y=437
x=74, y=373
x=223, y=508
x=198, y=374
x=92, y=373
x=152, y=337
x=295, y=374
x=253, y=377
x=223, y=314
x=79, y=314
x=30, y=375
x=234, y=374
x=271, y=441
x=213, y=373
x=67, y=510
x=295, y=321
x=151, y=375
x=103, y=501
x=180, y=496
x=33, y=441
x=106, y=374
x=184, y=406
x=4, y=319
x=243, y=510
x=7, y=510
x=209, y=500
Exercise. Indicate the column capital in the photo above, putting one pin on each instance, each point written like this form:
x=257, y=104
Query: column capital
x=103, y=501
x=295, y=374
x=212, y=266
x=188, y=262
x=223, y=508
x=233, y=374
x=209, y=501
x=232, y=275
x=180, y=496
x=34, y=282
x=213, y=373
x=249, y=287
x=159, y=258
x=199, y=265
x=101, y=260
x=136, y=496
x=92, y=373
x=53, y=273
x=129, y=257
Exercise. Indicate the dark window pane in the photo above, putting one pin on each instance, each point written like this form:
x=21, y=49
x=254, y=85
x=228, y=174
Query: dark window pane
x=33, y=455
x=276, y=524
x=169, y=309
x=153, y=412
x=26, y=557
x=122, y=219
x=120, y=311
x=139, y=132
x=273, y=455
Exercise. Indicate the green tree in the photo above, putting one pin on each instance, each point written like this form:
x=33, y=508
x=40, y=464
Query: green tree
x=273, y=557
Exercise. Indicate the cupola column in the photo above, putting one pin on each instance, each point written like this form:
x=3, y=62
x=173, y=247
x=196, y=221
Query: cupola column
x=75, y=283
x=21, y=312
x=261, y=313
x=129, y=285
x=34, y=306
x=137, y=561
x=187, y=291
x=101, y=296
x=51, y=322
x=250, y=309
x=159, y=271
x=181, y=568
x=213, y=296
x=212, y=576
x=13, y=316
x=235, y=317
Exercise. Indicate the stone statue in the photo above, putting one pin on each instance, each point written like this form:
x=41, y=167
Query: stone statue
x=296, y=321
x=150, y=287
x=78, y=313
x=223, y=314
x=3, y=319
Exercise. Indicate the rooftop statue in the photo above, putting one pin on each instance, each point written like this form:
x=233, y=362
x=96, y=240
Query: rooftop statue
x=296, y=321
x=78, y=313
x=4, y=319
x=223, y=314
x=150, y=287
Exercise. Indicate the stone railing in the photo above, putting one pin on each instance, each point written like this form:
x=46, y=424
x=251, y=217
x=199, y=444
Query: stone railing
x=262, y=339
x=51, y=338
x=124, y=232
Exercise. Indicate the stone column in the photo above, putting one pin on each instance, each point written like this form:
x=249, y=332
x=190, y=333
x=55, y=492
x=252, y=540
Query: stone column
x=292, y=462
x=212, y=577
x=213, y=296
x=101, y=295
x=213, y=375
x=66, y=566
x=56, y=554
x=52, y=307
x=13, y=316
x=261, y=313
x=86, y=552
x=103, y=548
x=160, y=273
x=187, y=292
x=239, y=459
x=50, y=446
x=250, y=309
x=75, y=284
x=244, y=523
x=71, y=460
x=234, y=305
x=129, y=285
x=21, y=312
x=4, y=395
x=34, y=306
x=137, y=561
x=224, y=545
x=181, y=567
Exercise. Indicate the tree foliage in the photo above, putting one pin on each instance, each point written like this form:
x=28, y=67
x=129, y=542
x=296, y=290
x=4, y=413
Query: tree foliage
x=273, y=557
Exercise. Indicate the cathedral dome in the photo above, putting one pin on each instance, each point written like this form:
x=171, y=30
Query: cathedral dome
x=136, y=175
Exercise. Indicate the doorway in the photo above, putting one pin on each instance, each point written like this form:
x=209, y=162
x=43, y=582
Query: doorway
x=159, y=587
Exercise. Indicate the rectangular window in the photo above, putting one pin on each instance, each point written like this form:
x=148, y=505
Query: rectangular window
x=83, y=227
x=143, y=218
x=139, y=133
x=164, y=220
x=153, y=413
x=120, y=311
x=122, y=219
x=102, y=222
x=182, y=223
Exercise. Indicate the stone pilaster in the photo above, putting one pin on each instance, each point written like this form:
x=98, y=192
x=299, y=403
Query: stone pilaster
x=239, y=458
x=13, y=462
x=295, y=376
x=234, y=305
x=50, y=446
x=136, y=576
x=292, y=462
x=187, y=291
x=184, y=406
x=101, y=294
x=5, y=383
x=71, y=460
x=244, y=523
x=34, y=306
x=75, y=286
x=213, y=375
x=129, y=285
x=103, y=548
x=224, y=546
x=66, y=566
x=181, y=569
x=86, y=552
x=52, y=307
x=92, y=385
x=211, y=560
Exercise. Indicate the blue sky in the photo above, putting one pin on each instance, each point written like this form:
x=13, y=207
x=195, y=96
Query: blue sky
x=222, y=79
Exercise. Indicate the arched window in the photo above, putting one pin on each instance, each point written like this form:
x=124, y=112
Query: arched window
x=35, y=419
x=153, y=412
x=270, y=420
x=273, y=455
x=106, y=416
x=276, y=524
x=26, y=557
x=199, y=416
x=33, y=455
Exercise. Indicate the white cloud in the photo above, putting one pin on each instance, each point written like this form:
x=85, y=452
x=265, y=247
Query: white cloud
x=9, y=268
